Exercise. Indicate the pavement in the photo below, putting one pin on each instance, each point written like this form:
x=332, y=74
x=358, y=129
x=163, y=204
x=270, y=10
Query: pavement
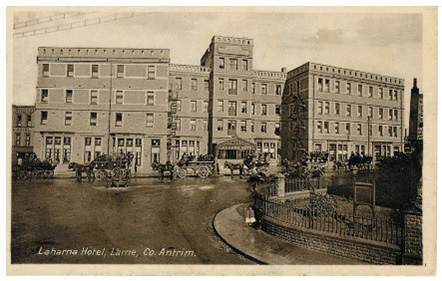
x=264, y=248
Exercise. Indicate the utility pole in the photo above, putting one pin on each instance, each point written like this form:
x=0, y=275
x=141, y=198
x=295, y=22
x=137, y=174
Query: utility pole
x=110, y=111
x=368, y=134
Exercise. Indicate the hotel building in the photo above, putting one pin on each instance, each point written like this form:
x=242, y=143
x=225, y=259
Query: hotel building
x=339, y=110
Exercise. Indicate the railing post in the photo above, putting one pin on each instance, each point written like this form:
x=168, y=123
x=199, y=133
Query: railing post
x=280, y=185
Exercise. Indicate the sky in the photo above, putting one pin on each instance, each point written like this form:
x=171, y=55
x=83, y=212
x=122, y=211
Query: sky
x=383, y=43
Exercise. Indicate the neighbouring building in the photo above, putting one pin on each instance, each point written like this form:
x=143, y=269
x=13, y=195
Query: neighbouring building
x=22, y=131
x=416, y=119
x=102, y=100
x=339, y=110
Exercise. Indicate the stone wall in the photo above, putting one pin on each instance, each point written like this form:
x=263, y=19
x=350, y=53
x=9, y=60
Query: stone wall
x=369, y=251
x=412, y=244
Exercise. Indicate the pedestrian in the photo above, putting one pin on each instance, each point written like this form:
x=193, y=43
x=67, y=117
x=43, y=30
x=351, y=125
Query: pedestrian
x=250, y=216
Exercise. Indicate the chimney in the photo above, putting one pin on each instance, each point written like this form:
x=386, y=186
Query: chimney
x=284, y=70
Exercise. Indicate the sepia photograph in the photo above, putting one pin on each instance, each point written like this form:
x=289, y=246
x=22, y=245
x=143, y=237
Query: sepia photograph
x=244, y=139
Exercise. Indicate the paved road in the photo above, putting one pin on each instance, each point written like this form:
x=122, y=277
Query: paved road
x=169, y=219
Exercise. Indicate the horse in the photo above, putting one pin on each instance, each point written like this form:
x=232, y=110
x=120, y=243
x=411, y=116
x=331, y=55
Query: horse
x=82, y=168
x=232, y=167
x=161, y=168
x=339, y=166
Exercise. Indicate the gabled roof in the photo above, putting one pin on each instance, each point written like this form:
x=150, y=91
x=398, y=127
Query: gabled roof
x=236, y=143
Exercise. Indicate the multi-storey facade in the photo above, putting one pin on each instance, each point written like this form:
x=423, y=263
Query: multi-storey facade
x=328, y=108
x=244, y=103
x=22, y=131
x=100, y=100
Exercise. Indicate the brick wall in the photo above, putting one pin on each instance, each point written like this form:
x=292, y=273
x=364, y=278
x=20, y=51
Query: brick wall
x=368, y=251
x=412, y=245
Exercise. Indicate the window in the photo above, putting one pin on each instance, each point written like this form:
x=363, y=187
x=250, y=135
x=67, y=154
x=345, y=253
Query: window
x=205, y=125
x=395, y=131
x=319, y=107
x=243, y=126
x=253, y=109
x=390, y=94
x=120, y=71
x=95, y=71
x=93, y=119
x=119, y=97
x=326, y=107
x=193, y=125
x=277, y=129
x=220, y=106
x=370, y=130
x=348, y=113
x=68, y=118
x=278, y=109
x=19, y=120
x=359, y=129
x=337, y=86
x=94, y=97
x=360, y=90
x=17, y=139
x=233, y=85
x=390, y=131
x=337, y=108
x=370, y=91
x=69, y=94
x=231, y=127
x=395, y=95
x=327, y=85
x=178, y=105
x=243, y=107
x=221, y=83
x=395, y=114
x=205, y=106
x=44, y=117
x=44, y=95
x=264, y=89
x=380, y=93
x=381, y=131
x=232, y=108
x=319, y=127
x=390, y=114
x=337, y=128
x=150, y=98
x=348, y=89
x=220, y=125
x=264, y=127
x=178, y=124
x=347, y=128
x=245, y=65
x=252, y=127
x=149, y=120
x=45, y=70
x=244, y=85
x=179, y=83
x=326, y=127
x=29, y=120
x=206, y=85
x=118, y=119
x=263, y=109
x=370, y=111
x=70, y=70
x=359, y=110
x=320, y=84
x=278, y=90
x=28, y=139
x=381, y=113
x=221, y=63
x=253, y=88
x=151, y=72
x=193, y=106
x=233, y=64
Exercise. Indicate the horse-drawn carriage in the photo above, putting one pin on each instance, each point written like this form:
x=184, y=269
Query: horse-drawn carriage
x=252, y=164
x=203, y=167
x=113, y=169
x=30, y=167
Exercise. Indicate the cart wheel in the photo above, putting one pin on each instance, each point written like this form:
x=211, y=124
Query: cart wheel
x=181, y=173
x=203, y=172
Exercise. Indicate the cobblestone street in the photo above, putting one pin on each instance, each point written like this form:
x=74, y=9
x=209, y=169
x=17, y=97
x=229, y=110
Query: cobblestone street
x=164, y=222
